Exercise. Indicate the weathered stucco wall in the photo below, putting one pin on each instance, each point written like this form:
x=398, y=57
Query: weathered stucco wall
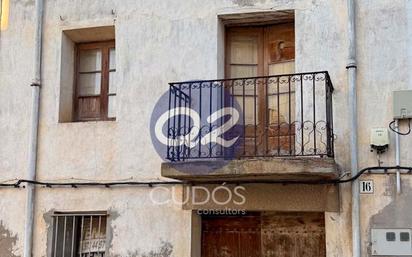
x=162, y=41
x=384, y=66
x=136, y=225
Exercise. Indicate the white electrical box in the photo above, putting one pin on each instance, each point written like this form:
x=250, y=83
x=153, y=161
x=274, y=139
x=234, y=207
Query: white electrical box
x=391, y=242
x=379, y=137
x=402, y=104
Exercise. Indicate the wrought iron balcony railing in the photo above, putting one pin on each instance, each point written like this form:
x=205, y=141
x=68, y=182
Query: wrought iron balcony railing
x=282, y=115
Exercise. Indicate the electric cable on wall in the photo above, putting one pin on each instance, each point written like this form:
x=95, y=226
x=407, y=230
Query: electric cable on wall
x=397, y=131
x=20, y=182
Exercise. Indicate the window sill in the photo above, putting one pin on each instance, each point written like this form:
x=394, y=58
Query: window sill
x=97, y=120
x=89, y=121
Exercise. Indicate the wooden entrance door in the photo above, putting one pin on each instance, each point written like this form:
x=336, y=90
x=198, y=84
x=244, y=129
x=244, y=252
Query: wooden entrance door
x=264, y=235
x=256, y=52
x=231, y=236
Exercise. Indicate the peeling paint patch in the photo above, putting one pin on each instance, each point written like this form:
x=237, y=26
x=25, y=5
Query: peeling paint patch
x=165, y=250
x=7, y=242
x=398, y=213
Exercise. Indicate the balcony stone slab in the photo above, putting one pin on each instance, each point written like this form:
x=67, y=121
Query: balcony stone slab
x=258, y=169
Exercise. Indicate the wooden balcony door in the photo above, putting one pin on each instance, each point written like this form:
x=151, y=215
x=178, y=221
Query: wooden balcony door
x=264, y=235
x=268, y=110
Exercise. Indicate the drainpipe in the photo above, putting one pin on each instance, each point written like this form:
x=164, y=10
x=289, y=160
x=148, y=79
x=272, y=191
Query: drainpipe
x=397, y=157
x=34, y=125
x=352, y=72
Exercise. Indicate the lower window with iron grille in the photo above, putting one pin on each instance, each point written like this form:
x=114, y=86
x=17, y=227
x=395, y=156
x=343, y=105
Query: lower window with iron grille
x=79, y=234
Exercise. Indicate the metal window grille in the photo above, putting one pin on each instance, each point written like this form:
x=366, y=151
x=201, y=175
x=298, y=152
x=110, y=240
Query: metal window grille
x=79, y=235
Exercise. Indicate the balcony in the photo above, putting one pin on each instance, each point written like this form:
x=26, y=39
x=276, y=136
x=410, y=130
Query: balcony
x=251, y=128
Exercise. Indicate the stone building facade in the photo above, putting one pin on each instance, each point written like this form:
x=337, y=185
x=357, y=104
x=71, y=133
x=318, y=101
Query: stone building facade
x=157, y=42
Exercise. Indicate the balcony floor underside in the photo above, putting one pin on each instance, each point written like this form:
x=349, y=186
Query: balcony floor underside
x=257, y=169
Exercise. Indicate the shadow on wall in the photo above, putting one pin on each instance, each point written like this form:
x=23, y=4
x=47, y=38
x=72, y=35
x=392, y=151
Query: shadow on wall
x=165, y=250
x=7, y=242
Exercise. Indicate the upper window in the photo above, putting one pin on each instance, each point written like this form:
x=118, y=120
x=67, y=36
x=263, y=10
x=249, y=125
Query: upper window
x=79, y=234
x=95, y=84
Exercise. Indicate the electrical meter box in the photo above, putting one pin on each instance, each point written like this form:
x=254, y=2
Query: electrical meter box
x=402, y=104
x=391, y=242
x=379, y=137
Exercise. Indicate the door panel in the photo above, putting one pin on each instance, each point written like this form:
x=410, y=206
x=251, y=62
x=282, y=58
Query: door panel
x=287, y=67
x=268, y=108
x=279, y=58
x=220, y=244
x=244, y=52
x=279, y=44
x=293, y=234
x=242, y=71
x=244, y=58
x=264, y=235
x=231, y=236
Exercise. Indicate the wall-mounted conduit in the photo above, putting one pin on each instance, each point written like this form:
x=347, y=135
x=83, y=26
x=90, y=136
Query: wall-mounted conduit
x=371, y=170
